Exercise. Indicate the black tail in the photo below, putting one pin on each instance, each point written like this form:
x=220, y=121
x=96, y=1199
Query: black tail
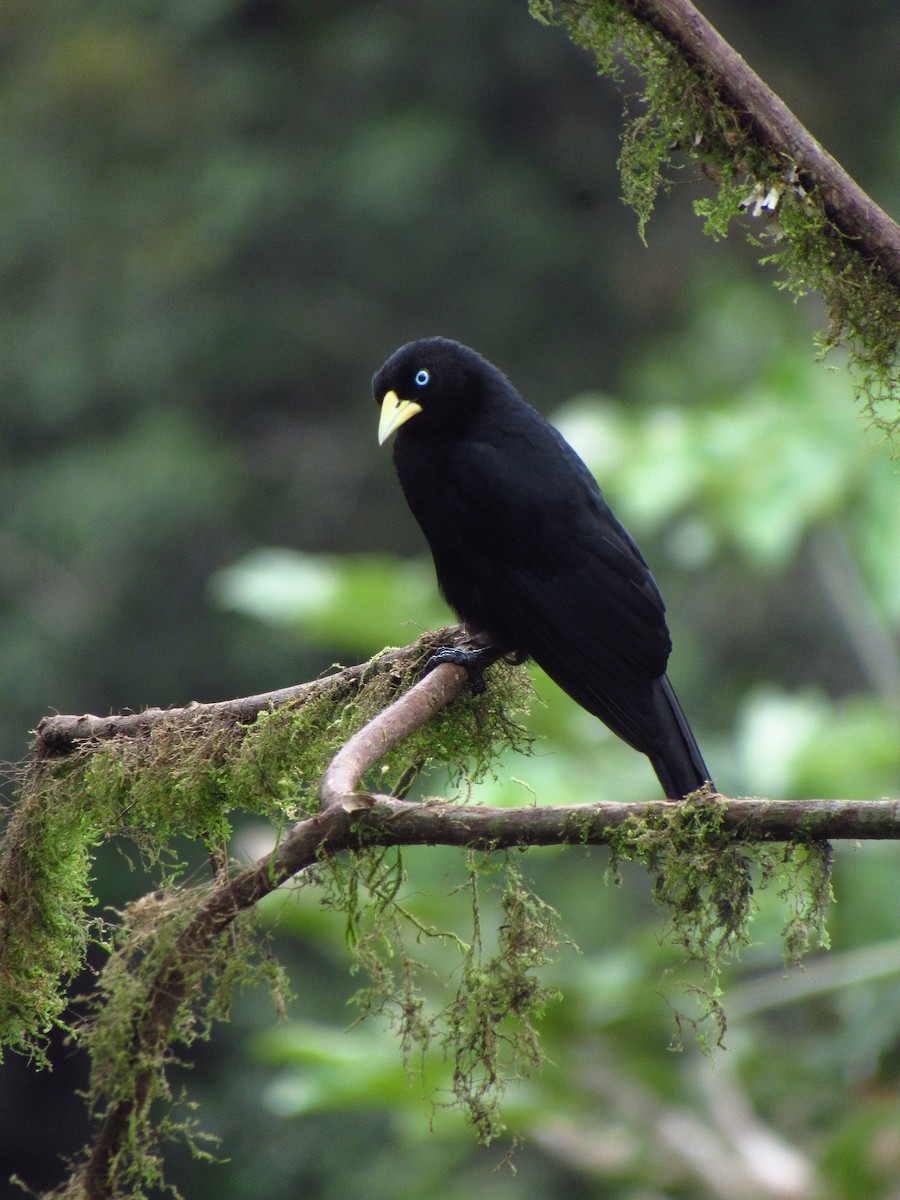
x=677, y=762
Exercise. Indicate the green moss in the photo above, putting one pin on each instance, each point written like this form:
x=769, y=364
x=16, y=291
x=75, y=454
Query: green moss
x=128, y=1072
x=678, y=118
x=45, y=869
x=484, y=1024
x=466, y=738
x=704, y=878
x=183, y=780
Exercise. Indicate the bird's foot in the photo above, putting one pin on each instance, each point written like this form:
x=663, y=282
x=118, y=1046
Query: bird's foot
x=474, y=659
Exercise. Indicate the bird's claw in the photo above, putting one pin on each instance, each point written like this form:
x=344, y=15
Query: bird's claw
x=474, y=660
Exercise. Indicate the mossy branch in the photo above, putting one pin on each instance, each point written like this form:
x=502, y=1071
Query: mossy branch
x=59, y=735
x=847, y=206
x=174, y=948
x=702, y=100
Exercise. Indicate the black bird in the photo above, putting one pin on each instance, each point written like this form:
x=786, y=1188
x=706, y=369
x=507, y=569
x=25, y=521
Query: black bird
x=528, y=552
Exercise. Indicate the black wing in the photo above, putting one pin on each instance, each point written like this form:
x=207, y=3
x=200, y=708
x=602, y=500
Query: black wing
x=527, y=550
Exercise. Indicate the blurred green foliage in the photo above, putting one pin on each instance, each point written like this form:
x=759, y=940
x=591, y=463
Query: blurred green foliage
x=219, y=219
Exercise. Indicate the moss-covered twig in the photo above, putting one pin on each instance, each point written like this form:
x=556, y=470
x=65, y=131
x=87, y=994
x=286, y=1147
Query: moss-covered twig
x=773, y=124
x=702, y=101
x=394, y=822
x=126, y=1122
x=59, y=735
x=152, y=778
x=392, y=726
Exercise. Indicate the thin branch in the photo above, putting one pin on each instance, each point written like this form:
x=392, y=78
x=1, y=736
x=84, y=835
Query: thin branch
x=393, y=822
x=388, y=729
x=60, y=735
x=846, y=205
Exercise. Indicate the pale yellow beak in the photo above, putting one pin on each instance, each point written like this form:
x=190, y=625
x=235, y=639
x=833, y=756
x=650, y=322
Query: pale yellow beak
x=394, y=412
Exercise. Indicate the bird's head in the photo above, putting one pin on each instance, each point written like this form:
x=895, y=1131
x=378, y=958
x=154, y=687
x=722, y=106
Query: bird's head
x=434, y=380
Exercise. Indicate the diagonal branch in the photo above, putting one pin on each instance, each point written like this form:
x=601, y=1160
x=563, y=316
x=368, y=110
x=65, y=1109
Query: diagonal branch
x=388, y=729
x=847, y=206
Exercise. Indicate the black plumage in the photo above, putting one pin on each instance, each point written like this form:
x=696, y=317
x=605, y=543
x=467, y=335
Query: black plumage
x=528, y=552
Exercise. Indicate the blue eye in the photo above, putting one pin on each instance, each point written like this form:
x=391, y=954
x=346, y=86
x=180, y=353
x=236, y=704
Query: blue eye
x=422, y=377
